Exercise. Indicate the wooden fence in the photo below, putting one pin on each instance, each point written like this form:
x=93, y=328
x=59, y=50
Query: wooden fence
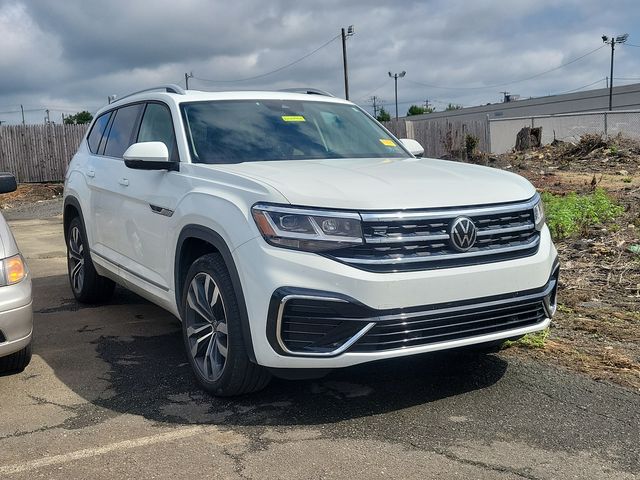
x=442, y=137
x=38, y=153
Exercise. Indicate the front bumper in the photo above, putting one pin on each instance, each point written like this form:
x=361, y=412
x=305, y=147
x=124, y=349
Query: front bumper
x=16, y=317
x=372, y=296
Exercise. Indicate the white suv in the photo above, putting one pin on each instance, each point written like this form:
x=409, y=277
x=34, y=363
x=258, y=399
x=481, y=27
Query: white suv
x=292, y=234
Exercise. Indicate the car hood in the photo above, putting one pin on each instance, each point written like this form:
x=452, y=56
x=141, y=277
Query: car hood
x=383, y=184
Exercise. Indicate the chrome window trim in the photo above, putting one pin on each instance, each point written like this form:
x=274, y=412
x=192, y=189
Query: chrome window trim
x=444, y=213
x=332, y=353
x=478, y=253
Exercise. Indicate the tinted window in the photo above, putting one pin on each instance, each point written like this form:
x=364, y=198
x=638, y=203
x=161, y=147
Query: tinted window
x=156, y=126
x=97, y=131
x=254, y=130
x=121, y=135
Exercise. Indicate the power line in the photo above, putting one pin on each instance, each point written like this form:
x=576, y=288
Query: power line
x=366, y=97
x=632, y=45
x=272, y=71
x=514, y=81
x=580, y=88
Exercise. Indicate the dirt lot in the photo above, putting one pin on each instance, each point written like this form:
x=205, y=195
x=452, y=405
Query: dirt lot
x=597, y=328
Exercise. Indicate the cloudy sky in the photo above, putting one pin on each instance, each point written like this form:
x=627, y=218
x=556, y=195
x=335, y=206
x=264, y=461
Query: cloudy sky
x=70, y=55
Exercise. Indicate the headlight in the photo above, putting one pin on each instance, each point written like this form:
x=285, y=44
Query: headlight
x=538, y=214
x=309, y=230
x=13, y=270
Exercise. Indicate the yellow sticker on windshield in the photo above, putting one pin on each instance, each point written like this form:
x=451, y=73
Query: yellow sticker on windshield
x=293, y=118
x=387, y=142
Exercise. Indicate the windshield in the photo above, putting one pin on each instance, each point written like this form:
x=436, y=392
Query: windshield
x=234, y=131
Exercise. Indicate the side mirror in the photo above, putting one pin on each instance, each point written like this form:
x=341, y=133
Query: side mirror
x=413, y=146
x=7, y=182
x=149, y=156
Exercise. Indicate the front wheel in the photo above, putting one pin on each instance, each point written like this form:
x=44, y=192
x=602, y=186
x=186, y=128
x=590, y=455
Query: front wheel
x=212, y=333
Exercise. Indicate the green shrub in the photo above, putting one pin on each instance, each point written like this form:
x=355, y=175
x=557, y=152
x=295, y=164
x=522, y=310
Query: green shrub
x=575, y=214
x=470, y=144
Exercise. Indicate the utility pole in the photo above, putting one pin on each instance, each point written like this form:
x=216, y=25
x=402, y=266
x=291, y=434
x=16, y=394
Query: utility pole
x=22, y=110
x=348, y=33
x=375, y=102
x=612, y=41
x=395, y=77
x=187, y=76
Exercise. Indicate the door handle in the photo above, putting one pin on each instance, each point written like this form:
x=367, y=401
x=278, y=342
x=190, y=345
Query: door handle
x=91, y=173
x=124, y=182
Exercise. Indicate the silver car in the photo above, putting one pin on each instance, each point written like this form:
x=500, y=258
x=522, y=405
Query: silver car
x=16, y=317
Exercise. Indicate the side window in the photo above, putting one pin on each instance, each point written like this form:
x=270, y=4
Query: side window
x=122, y=134
x=156, y=126
x=96, y=132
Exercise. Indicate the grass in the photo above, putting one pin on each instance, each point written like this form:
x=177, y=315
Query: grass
x=530, y=340
x=572, y=214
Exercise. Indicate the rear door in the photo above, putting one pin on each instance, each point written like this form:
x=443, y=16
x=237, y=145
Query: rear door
x=109, y=183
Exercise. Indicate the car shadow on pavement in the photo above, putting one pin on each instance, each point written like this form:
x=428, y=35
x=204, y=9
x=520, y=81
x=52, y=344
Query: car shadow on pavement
x=148, y=374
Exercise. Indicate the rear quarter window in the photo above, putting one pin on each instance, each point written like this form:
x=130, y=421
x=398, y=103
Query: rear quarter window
x=97, y=131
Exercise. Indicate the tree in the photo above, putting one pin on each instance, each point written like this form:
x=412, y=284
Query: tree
x=383, y=116
x=453, y=106
x=418, y=110
x=79, y=118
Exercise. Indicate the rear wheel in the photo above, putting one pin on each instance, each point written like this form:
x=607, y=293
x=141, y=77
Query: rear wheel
x=16, y=362
x=86, y=284
x=212, y=334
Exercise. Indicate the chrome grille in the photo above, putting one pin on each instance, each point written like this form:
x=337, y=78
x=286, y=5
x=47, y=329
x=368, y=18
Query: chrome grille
x=419, y=240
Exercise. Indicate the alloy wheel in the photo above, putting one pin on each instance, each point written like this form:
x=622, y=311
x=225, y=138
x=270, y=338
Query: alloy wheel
x=206, y=326
x=76, y=259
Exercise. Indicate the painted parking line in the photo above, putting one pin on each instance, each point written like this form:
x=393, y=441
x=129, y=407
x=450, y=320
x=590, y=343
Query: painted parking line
x=109, y=448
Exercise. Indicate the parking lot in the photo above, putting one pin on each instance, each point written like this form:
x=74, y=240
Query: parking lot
x=109, y=394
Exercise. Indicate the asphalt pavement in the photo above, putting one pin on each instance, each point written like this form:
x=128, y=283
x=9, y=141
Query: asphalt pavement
x=109, y=394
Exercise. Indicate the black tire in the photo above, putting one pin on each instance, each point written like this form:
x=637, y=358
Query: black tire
x=211, y=319
x=86, y=284
x=16, y=362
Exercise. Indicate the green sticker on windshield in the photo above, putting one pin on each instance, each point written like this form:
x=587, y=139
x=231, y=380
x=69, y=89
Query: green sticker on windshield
x=293, y=118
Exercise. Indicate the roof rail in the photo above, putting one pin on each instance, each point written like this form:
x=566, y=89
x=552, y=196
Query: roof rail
x=169, y=87
x=310, y=91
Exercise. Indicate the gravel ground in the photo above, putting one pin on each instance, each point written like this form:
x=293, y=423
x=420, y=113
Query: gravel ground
x=31, y=211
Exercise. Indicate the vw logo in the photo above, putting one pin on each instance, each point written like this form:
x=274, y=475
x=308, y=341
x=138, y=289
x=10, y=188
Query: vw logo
x=463, y=234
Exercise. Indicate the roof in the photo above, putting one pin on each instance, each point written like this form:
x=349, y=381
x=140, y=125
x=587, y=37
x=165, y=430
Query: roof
x=179, y=95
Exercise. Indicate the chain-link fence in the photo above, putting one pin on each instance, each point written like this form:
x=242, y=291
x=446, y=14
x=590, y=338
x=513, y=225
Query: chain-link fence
x=564, y=127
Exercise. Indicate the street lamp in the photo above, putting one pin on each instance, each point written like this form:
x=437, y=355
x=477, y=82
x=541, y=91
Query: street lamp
x=395, y=77
x=612, y=41
x=348, y=33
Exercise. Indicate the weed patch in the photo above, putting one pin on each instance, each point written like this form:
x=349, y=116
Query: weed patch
x=575, y=214
x=530, y=340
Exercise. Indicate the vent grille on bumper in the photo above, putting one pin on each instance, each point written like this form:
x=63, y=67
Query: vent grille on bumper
x=326, y=326
x=413, y=240
x=440, y=327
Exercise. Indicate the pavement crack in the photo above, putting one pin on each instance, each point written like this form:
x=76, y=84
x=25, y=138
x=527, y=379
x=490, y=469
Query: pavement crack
x=531, y=388
x=485, y=466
